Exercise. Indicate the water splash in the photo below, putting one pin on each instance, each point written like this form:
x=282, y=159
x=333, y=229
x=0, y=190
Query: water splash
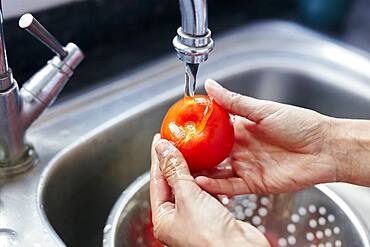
x=191, y=71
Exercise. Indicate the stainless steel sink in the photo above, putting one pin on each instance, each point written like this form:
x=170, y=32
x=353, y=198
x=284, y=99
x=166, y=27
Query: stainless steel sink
x=92, y=146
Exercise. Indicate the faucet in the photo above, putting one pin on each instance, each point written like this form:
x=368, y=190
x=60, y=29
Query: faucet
x=193, y=41
x=19, y=108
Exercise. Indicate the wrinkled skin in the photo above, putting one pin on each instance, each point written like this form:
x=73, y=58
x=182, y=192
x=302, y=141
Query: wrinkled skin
x=278, y=148
x=185, y=215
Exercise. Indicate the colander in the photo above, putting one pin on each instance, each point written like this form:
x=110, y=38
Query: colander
x=315, y=217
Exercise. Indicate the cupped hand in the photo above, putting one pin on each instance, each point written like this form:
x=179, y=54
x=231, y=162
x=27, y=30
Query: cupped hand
x=278, y=147
x=185, y=215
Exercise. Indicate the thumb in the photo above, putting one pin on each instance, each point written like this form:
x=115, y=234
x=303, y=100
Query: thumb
x=175, y=169
x=237, y=104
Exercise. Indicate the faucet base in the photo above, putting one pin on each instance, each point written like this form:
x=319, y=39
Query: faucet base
x=27, y=160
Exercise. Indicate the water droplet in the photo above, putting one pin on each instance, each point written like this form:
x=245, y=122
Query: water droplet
x=107, y=229
x=225, y=201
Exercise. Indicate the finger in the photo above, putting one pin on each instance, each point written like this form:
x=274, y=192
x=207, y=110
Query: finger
x=237, y=104
x=223, y=170
x=224, y=186
x=174, y=168
x=160, y=192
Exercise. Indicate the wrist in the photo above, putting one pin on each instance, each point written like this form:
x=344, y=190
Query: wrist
x=349, y=145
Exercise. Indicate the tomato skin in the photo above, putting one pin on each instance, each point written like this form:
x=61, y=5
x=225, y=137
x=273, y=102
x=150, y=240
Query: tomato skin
x=201, y=129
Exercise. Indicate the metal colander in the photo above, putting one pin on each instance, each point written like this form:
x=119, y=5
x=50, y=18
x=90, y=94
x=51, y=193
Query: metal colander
x=315, y=217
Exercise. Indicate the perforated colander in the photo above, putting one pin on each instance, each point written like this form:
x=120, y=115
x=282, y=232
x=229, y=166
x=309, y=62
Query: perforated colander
x=315, y=217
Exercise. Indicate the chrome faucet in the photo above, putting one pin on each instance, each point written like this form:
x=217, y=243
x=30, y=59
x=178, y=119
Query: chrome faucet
x=20, y=108
x=193, y=41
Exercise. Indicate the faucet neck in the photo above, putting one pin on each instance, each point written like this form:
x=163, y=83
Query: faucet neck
x=193, y=42
x=194, y=19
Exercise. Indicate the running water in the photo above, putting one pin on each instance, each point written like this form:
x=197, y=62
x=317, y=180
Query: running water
x=191, y=70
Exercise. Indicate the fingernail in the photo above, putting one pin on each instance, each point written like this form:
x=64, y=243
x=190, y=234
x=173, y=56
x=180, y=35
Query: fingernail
x=163, y=149
x=213, y=83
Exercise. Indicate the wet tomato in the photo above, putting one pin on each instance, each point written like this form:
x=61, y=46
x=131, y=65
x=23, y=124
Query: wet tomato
x=201, y=129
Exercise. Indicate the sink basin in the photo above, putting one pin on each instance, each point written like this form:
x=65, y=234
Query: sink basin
x=93, y=146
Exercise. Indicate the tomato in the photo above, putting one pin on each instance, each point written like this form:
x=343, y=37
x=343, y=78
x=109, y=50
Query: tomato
x=201, y=129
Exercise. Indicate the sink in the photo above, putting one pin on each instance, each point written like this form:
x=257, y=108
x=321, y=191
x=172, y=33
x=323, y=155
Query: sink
x=93, y=146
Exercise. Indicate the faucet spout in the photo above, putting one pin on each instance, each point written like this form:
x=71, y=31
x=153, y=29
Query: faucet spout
x=5, y=77
x=194, y=19
x=193, y=42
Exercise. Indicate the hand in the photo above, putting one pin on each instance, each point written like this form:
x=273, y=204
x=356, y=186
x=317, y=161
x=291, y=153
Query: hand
x=192, y=217
x=278, y=148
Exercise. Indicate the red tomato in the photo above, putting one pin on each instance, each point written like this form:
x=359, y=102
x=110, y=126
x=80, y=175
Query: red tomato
x=201, y=129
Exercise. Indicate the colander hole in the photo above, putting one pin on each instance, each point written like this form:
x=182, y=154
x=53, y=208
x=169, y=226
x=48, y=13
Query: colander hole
x=322, y=221
x=291, y=228
x=310, y=236
x=256, y=220
x=282, y=242
x=313, y=245
x=321, y=245
x=239, y=215
x=322, y=210
x=328, y=244
x=252, y=205
x=262, y=212
x=336, y=230
x=291, y=240
x=331, y=218
x=338, y=243
x=265, y=201
x=328, y=232
x=248, y=212
x=312, y=223
x=312, y=208
x=295, y=218
x=245, y=202
x=319, y=234
x=261, y=228
x=238, y=208
x=302, y=211
x=253, y=198
x=140, y=240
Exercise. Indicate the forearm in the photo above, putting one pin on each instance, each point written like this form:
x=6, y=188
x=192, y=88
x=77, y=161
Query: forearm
x=350, y=149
